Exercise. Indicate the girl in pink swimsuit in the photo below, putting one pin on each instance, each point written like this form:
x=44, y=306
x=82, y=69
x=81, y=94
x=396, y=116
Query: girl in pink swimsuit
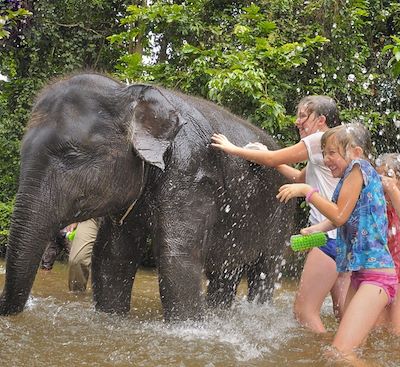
x=388, y=165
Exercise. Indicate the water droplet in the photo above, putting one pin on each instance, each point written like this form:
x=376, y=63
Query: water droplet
x=351, y=77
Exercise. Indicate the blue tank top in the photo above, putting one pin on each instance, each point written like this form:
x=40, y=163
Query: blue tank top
x=362, y=240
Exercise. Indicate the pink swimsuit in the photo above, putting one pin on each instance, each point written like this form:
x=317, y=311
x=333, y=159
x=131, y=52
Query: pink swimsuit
x=388, y=282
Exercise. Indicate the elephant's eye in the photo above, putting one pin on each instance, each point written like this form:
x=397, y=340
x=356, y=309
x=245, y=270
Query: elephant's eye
x=71, y=154
x=65, y=149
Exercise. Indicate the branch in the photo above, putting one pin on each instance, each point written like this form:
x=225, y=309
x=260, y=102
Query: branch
x=78, y=25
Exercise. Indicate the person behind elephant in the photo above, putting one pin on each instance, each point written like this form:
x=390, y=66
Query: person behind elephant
x=55, y=248
x=315, y=115
x=358, y=211
x=79, y=253
x=388, y=165
x=80, y=256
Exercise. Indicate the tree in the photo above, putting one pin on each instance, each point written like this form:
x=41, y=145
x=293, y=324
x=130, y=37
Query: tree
x=8, y=18
x=259, y=58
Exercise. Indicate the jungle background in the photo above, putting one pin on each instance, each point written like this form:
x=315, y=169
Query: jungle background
x=257, y=58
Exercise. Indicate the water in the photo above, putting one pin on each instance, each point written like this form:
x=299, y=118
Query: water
x=59, y=328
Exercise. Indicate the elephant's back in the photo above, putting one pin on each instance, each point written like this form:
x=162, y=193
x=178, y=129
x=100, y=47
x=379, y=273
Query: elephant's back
x=219, y=119
x=78, y=91
x=240, y=131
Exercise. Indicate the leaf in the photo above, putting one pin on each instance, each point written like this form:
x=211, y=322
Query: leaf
x=266, y=27
x=396, y=69
x=241, y=29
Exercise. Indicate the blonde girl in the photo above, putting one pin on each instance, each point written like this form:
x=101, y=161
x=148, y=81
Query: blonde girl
x=358, y=211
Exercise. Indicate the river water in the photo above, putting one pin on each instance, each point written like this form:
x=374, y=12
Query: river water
x=58, y=328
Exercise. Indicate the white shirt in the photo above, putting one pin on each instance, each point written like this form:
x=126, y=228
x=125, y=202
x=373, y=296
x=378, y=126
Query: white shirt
x=318, y=176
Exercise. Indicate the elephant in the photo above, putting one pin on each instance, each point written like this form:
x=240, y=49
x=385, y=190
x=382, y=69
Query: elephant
x=139, y=157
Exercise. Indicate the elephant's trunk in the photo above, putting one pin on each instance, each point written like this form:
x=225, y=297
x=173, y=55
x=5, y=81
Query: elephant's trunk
x=32, y=226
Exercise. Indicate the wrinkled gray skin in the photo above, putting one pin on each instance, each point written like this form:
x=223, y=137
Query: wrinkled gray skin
x=94, y=146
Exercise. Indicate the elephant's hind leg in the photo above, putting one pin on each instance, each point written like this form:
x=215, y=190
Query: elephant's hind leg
x=261, y=279
x=222, y=287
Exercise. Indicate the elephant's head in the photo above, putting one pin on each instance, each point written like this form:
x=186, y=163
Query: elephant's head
x=85, y=154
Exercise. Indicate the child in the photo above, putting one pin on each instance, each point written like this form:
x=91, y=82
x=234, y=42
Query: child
x=388, y=165
x=315, y=115
x=358, y=210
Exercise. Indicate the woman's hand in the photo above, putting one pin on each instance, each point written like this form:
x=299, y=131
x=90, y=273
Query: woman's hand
x=256, y=146
x=324, y=226
x=221, y=142
x=289, y=191
x=70, y=227
x=307, y=230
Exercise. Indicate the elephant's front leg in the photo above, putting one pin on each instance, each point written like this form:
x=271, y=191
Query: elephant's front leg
x=180, y=282
x=116, y=256
x=182, y=238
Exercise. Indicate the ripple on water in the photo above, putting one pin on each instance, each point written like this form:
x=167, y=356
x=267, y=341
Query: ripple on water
x=51, y=332
x=73, y=332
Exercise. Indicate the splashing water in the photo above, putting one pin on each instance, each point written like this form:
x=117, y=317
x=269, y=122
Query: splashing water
x=59, y=328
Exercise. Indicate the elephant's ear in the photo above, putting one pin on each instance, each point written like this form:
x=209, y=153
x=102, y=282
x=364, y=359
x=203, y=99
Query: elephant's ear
x=155, y=123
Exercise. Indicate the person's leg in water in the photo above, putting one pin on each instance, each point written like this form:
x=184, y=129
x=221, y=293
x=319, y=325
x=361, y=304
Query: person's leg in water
x=394, y=315
x=369, y=293
x=319, y=277
x=80, y=257
x=390, y=317
x=338, y=294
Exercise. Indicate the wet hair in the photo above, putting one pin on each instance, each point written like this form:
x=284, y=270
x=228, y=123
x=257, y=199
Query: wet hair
x=321, y=106
x=350, y=136
x=391, y=161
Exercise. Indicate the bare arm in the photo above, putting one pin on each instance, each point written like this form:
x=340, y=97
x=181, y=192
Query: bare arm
x=272, y=158
x=292, y=174
x=338, y=213
x=71, y=227
x=324, y=226
x=391, y=189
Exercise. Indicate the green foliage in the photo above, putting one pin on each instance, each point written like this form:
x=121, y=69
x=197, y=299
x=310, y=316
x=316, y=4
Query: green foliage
x=8, y=18
x=5, y=217
x=394, y=62
x=259, y=58
x=235, y=57
x=393, y=48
